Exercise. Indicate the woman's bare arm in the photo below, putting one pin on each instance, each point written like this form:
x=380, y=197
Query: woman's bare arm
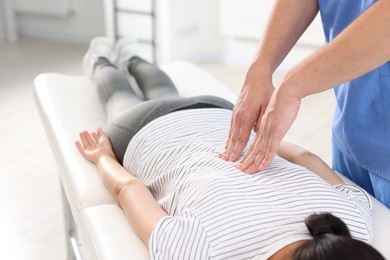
x=139, y=205
x=300, y=156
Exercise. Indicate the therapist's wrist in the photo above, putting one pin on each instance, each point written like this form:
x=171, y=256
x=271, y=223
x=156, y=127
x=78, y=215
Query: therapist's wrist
x=260, y=68
x=293, y=86
x=258, y=78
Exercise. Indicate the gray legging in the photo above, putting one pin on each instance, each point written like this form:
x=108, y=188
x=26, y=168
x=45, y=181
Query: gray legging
x=126, y=113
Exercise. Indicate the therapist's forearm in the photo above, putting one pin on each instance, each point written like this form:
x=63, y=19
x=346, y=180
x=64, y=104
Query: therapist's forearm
x=360, y=48
x=287, y=22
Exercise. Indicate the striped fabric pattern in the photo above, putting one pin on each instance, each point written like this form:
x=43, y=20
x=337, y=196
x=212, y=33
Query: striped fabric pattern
x=218, y=212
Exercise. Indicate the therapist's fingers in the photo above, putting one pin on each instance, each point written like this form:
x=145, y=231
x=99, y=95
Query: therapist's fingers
x=256, y=145
x=260, y=159
x=251, y=104
x=253, y=157
x=278, y=117
x=239, y=142
x=252, y=151
x=232, y=140
x=263, y=149
x=238, y=138
x=232, y=130
x=231, y=143
x=270, y=152
x=257, y=124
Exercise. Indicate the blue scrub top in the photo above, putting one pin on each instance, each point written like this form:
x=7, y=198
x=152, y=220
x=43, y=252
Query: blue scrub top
x=361, y=126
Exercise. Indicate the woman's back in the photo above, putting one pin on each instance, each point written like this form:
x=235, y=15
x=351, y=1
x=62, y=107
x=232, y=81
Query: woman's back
x=222, y=212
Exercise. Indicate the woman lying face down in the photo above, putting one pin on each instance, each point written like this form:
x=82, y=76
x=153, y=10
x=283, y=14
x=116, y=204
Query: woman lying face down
x=231, y=218
x=160, y=159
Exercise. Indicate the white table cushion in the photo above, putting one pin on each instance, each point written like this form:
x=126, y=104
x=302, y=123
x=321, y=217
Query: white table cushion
x=106, y=234
x=69, y=105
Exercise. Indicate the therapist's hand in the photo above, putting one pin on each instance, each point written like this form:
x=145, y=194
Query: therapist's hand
x=278, y=117
x=247, y=112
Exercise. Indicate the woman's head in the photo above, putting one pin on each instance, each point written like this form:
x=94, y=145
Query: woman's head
x=332, y=240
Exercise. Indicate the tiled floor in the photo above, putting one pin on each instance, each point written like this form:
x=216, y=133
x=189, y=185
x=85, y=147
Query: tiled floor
x=31, y=222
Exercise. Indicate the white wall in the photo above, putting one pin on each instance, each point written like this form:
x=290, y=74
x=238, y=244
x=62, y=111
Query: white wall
x=226, y=33
x=241, y=51
x=242, y=23
x=188, y=29
x=85, y=21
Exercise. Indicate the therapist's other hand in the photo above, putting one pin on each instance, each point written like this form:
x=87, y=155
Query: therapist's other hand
x=247, y=112
x=94, y=145
x=280, y=114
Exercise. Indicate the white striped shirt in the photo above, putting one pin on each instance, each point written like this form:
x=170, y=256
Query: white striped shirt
x=218, y=212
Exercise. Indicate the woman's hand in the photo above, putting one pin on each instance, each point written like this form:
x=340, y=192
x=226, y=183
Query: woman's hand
x=247, y=112
x=94, y=145
x=278, y=117
x=140, y=207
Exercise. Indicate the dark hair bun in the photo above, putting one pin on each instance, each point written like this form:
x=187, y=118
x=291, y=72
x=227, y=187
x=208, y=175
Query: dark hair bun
x=332, y=240
x=325, y=223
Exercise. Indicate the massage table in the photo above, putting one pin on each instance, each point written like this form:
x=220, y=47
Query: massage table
x=96, y=227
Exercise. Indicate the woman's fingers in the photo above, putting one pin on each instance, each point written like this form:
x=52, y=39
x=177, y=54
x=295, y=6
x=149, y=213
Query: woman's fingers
x=95, y=137
x=100, y=132
x=87, y=140
x=79, y=147
x=90, y=141
x=93, y=145
x=84, y=139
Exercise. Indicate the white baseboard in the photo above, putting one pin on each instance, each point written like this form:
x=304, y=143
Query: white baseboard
x=55, y=36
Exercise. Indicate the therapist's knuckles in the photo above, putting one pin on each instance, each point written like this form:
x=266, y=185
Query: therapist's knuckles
x=251, y=169
x=235, y=147
x=243, y=159
x=255, y=166
x=238, y=149
x=251, y=165
x=247, y=162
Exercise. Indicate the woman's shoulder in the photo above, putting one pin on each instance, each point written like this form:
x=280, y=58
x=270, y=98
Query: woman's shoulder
x=179, y=237
x=362, y=201
x=355, y=192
